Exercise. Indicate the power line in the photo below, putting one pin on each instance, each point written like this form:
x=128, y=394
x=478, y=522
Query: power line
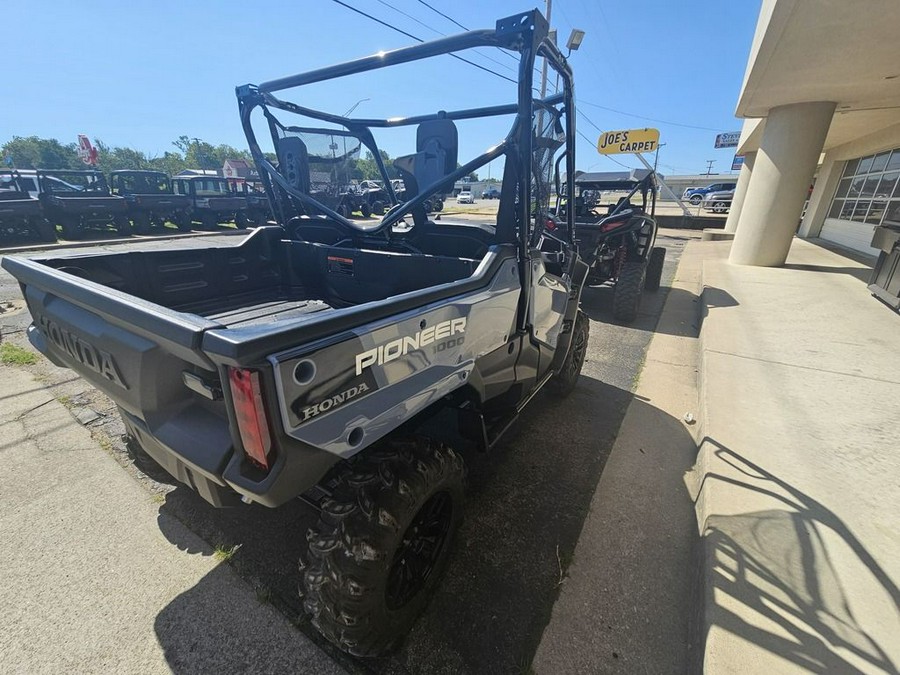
x=418, y=39
x=649, y=119
x=450, y=19
x=435, y=30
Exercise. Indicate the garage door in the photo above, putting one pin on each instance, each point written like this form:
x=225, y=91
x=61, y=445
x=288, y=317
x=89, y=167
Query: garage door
x=855, y=236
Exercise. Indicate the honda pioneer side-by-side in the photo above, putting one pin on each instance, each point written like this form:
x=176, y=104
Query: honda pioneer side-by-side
x=21, y=214
x=212, y=201
x=150, y=200
x=79, y=201
x=304, y=361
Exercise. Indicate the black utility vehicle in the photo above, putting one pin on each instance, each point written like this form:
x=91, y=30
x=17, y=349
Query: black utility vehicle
x=80, y=200
x=21, y=214
x=212, y=201
x=304, y=361
x=258, y=210
x=618, y=244
x=150, y=200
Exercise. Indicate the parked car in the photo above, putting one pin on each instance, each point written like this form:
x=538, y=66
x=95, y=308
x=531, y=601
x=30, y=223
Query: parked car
x=491, y=192
x=718, y=202
x=696, y=195
x=465, y=197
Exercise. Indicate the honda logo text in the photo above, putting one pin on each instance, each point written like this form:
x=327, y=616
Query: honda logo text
x=84, y=352
x=333, y=402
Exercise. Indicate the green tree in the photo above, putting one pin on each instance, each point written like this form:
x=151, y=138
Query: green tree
x=33, y=152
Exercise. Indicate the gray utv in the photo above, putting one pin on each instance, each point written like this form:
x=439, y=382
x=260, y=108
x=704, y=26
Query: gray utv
x=304, y=361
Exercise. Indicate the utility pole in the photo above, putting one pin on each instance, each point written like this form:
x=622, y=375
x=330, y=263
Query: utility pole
x=544, y=69
x=709, y=164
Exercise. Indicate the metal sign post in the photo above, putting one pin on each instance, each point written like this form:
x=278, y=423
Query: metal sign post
x=665, y=188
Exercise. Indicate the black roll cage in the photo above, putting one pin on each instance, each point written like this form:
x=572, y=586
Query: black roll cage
x=526, y=33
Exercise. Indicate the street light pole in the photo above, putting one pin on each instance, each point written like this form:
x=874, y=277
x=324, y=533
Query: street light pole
x=353, y=107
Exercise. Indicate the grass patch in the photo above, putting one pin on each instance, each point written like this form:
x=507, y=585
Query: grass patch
x=225, y=553
x=13, y=355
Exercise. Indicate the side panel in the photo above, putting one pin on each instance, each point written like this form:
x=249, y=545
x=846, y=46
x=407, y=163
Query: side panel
x=342, y=396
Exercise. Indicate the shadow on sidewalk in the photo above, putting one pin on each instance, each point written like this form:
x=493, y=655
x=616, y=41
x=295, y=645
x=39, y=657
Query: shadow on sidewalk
x=775, y=563
x=861, y=273
x=526, y=504
x=597, y=303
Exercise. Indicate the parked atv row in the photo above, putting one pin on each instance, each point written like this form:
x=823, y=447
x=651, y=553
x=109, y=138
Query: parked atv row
x=36, y=202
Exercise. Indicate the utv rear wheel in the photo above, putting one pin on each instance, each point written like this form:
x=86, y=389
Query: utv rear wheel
x=565, y=380
x=184, y=223
x=438, y=205
x=365, y=210
x=655, y=268
x=122, y=226
x=378, y=208
x=382, y=542
x=142, y=224
x=240, y=221
x=627, y=295
x=70, y=228
x=45, y=230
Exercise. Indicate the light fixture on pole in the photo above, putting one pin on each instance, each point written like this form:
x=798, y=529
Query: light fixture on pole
x=575, y=39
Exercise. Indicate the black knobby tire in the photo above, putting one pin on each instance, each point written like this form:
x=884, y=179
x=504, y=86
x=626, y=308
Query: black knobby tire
x=240, y=221
x=45, y=229
x=209, y=222
x=378, y=208
x=382, y=542
x=142, y=223
x=184, y=222
x=438, y=205
x=122, y=226
x=655, y=268
x=627, y=293
x=365, y=210
x=71, y=228
x=563, y=382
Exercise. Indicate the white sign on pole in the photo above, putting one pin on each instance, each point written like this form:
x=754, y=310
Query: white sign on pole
x=728, y=140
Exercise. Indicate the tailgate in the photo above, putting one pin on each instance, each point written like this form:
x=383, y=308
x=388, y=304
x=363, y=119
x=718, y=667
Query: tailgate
x=163, y=201
x=131, y=349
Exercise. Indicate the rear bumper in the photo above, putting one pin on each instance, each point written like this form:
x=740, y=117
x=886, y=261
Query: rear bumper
x=209, y=487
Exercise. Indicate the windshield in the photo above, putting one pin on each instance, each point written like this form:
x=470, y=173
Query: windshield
x=141, y=183
x=211, y=187
x=74, y=183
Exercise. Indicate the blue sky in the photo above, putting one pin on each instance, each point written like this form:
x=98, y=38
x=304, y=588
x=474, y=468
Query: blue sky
x=142, y=73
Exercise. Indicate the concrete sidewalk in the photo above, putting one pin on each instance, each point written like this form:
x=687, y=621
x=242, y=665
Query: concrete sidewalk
x=95, y=579
x=797, y=481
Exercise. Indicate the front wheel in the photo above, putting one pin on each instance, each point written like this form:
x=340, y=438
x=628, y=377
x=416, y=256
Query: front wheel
x=122, y=226
x=655, y=268
x=240, y=221
x=382, y=542
x=627, y=294
x=142, y=223
x=563, y=382
x=695, y=200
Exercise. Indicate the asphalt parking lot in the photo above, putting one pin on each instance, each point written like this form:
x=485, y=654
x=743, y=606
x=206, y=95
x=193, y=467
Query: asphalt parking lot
x=527, y=501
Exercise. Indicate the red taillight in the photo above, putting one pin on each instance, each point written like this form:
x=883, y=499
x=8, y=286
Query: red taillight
x=550, y=224
x=606, y=227
x=251, y=415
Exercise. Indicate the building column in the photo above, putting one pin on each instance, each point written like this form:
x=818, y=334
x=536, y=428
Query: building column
x=740, y=192
x=785, y=163
x=820, y=200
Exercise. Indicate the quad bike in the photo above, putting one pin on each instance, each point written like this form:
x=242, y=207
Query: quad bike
x=618, y=245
